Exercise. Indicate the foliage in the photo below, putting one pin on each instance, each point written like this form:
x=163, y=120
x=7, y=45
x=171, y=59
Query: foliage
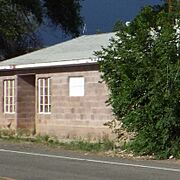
x=21, y=19
x=16, y=26
x=117, y=26
x=141, y=68
x=65, y=13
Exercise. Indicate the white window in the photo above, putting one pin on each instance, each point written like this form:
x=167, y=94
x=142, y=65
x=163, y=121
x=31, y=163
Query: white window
x=44, y=95
x=9, y=96
x=76, y=86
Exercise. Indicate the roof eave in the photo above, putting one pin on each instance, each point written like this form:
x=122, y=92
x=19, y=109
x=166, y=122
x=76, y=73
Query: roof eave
x=49, y=64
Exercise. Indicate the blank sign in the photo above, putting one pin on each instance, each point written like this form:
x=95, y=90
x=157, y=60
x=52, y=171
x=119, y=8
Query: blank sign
x=76, y=86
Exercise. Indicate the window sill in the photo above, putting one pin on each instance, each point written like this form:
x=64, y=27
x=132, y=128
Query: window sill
x=9, y=113
x=44, y=113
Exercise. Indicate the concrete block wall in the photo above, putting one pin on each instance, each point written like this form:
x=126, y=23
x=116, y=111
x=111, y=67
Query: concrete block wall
x=76, y=117
x=71, y=117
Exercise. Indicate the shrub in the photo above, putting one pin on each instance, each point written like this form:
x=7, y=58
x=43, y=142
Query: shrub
x=141, y=68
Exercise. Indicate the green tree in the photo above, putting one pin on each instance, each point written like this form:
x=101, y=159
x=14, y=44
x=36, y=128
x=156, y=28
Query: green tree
x=20, y=20
x=65, y=14
x=141, y=68
x=17, y=24
x=117, y=26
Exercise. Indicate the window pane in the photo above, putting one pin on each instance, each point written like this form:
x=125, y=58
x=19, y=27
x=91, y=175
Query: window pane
x=46, y=82
x=10, y=92
x=11, y=108
x=6, y=108
x=49, y=108
x=49, y=99
x=46, y=100
x=46, y=108
x=41, y=91
x=41, y=108
x=6, y=88
x=41, y=100
x=11, y=100
x=6, y=101
x=41, y=82
x=46, y=91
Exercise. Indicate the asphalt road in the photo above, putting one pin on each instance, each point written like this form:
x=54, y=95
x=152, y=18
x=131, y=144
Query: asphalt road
x=34, y=162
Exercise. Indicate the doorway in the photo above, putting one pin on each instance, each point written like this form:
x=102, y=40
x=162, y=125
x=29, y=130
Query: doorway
x=26, y=102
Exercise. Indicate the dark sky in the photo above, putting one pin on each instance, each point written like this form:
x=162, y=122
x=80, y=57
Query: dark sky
x=99, y=14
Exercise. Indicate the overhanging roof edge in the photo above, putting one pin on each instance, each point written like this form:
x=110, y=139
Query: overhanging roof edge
x=50, y=64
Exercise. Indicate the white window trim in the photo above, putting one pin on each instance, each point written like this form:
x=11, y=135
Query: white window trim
x=43, y=95
x=8, y=105
x=72, y=93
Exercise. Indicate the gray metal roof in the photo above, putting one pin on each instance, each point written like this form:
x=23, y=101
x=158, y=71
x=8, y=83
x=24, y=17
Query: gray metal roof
x=79, y=48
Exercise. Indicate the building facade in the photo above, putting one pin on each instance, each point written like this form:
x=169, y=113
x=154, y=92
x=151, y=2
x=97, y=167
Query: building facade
x=57, y=91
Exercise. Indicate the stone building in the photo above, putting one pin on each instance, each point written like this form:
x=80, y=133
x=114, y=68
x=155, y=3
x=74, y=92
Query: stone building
x=56, y=90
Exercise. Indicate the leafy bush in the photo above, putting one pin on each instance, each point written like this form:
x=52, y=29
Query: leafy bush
x=141, y=68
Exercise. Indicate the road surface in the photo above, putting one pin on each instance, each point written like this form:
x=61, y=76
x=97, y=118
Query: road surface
x=35, y=162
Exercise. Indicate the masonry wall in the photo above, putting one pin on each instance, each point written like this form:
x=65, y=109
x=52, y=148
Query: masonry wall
x=70, y=117
x=7, y=120
x=76, y=117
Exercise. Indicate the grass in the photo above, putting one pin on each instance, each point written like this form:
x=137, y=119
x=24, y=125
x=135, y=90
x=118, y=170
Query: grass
x=20, y=136
x=89, y=146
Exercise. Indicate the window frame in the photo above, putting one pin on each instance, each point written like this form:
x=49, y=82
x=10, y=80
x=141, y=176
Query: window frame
x=43, y=94
x=73, y=94
x=9, y=92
